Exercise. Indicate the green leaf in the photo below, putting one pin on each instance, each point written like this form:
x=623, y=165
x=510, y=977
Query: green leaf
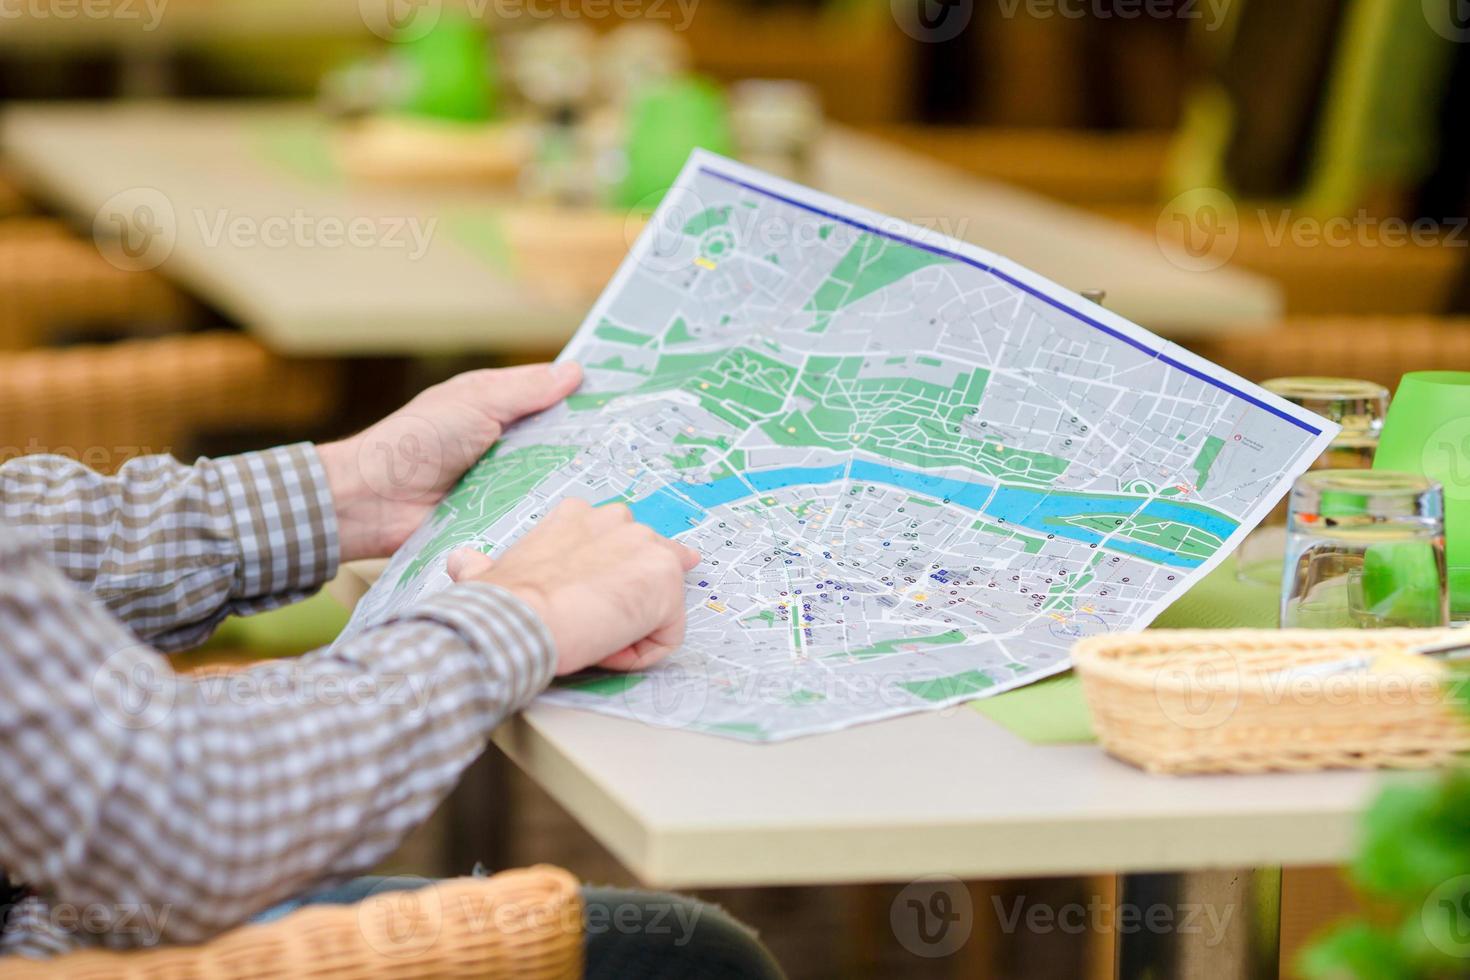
x=1355, y=951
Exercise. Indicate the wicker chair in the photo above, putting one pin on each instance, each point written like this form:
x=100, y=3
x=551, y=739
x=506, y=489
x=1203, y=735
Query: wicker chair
x=12, y=201
x=51, y=280
x=1326, y=275
x=524, y=924
x=105, y=404
x=1086, y=168
x=1380, y=349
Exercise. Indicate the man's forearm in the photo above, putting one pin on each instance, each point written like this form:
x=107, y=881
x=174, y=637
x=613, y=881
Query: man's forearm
x=261, y=783
x=172, y=549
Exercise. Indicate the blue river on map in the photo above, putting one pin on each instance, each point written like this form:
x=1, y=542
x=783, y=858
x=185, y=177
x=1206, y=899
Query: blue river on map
x=677, y=507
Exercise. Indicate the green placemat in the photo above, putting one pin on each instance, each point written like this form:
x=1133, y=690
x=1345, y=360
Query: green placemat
x=1049, y=712
x=1053, y=712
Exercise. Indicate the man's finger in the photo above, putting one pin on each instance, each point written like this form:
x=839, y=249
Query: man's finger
x=652, y=648
x=688, y=557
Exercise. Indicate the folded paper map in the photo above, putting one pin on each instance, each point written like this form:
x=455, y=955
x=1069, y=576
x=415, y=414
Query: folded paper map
x=916, y=471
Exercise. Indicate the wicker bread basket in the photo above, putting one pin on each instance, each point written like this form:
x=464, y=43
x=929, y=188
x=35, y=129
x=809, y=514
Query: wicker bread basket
x=1195, y=701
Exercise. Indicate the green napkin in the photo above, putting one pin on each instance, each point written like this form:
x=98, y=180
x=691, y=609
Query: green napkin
x=1053, y=712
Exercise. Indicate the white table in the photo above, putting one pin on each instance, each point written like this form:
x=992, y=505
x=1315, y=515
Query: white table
x=948, y=792
x=206, y=159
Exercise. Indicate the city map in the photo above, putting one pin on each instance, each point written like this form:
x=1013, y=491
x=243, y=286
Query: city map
x=917, y=473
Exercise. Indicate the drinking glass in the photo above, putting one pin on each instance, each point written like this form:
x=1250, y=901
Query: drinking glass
x=1359, y=407
x=1364, y=550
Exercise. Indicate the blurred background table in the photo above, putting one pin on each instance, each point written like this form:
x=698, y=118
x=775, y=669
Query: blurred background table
x=476, y=287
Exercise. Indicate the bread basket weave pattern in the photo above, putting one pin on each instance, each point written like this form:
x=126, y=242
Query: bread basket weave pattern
x=1198, y=701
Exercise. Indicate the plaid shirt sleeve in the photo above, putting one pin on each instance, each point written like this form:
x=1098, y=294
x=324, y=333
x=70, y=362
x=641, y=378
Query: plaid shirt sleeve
x=172, y=549
x=166, y=808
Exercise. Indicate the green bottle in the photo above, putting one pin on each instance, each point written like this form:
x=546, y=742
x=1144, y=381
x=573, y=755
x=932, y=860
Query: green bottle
x=452, y=70
x=666, y=121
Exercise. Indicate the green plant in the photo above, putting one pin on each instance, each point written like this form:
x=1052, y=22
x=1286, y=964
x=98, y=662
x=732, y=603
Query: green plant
x=1414, y=865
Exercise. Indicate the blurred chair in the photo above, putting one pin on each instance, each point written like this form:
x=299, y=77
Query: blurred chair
x=1380, y=349
x=1335, y=270
x=1076, y=166
x=104, y=404
x=12, y=201
x=53, y=282
x=1309, y=110
x=517, y=925
x=1319, y=107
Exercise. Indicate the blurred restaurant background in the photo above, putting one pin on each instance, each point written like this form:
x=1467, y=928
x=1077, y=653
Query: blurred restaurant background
x=230, y=223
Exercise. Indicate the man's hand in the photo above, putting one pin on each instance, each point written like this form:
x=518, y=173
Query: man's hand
x=610, y=591
x=386, y=479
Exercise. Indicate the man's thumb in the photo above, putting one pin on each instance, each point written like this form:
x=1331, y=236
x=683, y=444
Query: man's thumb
x=518, y=391
x=467, y=563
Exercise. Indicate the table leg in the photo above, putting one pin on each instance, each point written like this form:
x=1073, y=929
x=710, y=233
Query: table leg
x=1199, y=925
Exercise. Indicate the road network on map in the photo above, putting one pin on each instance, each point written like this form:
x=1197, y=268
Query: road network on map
x=914, y=480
